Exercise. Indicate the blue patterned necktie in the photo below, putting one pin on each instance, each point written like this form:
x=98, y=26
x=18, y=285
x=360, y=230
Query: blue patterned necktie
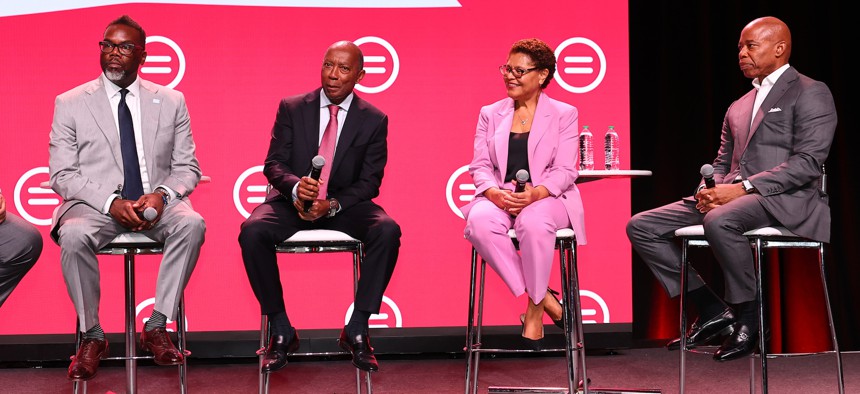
x=132, y=187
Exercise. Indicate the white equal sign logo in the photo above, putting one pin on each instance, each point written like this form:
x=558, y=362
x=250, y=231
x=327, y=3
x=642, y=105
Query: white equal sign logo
x=460, y=190
x=577, y=65
x=158, y=61
x=34, y=200
x=250, y=190
x=374, y=63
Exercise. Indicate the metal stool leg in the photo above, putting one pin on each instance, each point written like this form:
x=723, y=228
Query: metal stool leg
x=130, y=330
x=356, y=268
x=762, y=343
x=470, y=327
x=839, y=371
x=78, y=386
x=263, y=381
x=572, y=315
x=180, y=336
x=683, y=315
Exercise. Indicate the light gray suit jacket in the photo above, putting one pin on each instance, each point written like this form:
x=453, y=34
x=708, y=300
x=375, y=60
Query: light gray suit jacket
x=782, y=153
x=85, y=159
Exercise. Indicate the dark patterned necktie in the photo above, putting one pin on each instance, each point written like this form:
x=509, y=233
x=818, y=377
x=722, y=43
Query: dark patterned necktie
x=132, y=187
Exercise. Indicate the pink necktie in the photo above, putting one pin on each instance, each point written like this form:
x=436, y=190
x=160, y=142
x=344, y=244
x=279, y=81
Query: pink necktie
x=327, y=146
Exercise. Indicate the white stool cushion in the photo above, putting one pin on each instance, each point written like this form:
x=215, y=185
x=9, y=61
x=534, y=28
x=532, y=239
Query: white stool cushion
x=319, y=236
x=560, y=233
x=698, y=231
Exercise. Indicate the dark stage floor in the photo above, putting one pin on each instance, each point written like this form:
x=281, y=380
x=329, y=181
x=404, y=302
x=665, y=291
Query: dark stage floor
x=641, y=368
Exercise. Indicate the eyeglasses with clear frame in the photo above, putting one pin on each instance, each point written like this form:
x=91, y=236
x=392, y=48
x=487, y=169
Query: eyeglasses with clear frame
x=125, y=48
x=515, y=71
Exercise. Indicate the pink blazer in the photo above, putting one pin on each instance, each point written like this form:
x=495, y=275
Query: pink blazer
x=552, y=150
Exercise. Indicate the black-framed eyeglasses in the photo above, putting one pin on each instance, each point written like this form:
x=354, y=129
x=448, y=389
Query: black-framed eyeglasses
x=515, y=71
x=125, y=48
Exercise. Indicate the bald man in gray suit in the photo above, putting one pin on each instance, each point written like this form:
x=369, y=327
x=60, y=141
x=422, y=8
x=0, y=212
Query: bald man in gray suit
x=121, y=145
x=774, y=142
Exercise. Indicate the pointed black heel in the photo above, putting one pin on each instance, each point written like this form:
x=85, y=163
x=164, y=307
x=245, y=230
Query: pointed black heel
x=560, y=322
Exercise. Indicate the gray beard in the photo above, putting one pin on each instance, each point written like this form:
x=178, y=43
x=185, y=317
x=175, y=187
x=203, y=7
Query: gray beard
x=115, y=76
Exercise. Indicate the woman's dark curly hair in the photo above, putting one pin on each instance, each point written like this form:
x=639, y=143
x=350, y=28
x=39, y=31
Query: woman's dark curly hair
x=540, y=53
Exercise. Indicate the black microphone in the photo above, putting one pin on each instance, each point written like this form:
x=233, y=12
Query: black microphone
x=318, y=162
x=150, y=214
x=522, y=177
x=707, y=172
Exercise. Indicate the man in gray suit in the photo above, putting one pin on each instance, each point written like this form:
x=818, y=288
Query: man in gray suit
x=20, y=247
x=120, y=148
x=774, y=142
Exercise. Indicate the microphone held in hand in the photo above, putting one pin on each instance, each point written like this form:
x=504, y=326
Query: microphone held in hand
x=522, y=178
x=318, y=162
x=707, y=172
x=149, y=214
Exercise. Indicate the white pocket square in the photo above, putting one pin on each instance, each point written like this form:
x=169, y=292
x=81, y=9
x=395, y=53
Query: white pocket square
x=775, y=109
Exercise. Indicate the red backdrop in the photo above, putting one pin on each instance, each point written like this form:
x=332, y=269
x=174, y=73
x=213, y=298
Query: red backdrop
x=430, y=68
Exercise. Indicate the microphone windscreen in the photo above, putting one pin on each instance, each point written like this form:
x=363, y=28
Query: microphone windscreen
x=707, y=170
x=150, y=214
x=318, y=161
x=522, y=176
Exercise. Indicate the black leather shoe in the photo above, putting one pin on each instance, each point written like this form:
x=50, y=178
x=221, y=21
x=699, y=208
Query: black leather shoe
x=700, y=334
x=276, y=352
x=362, y=352
x=741, y=343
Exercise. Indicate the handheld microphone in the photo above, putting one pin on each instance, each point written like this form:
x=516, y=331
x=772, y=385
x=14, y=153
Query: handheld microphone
x=707, y=172
x=149, y=214
x=522, y=177
x=318, y=162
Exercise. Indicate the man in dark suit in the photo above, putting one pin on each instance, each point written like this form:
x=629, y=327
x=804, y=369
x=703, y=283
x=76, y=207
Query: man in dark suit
x=774, y=142
x=341, y=200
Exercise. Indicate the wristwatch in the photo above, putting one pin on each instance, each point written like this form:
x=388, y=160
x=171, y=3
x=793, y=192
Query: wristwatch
x=333, y=206
x=165, y=196
x=748, y=186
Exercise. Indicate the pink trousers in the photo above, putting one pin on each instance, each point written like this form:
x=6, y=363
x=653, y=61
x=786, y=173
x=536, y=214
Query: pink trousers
x=527, y=271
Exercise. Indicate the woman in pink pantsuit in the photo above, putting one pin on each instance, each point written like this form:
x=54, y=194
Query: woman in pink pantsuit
x=527, y=130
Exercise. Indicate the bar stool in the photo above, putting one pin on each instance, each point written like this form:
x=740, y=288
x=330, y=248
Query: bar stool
x=130, y=245
x=760, y=239
x=316, y=241
x=565, y=243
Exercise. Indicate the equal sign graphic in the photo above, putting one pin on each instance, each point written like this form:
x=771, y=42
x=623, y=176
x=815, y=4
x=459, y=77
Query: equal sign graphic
x=161, y=59
x=42, y=189
x=578, y=60
x=468, y=190
x=372, y=60
x=264, y=189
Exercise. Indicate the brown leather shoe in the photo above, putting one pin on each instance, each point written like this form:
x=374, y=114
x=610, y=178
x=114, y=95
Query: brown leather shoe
x=158, y=342
x=85, y=363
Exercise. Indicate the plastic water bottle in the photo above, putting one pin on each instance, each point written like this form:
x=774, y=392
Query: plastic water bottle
x=586, y=149
x=610, y=145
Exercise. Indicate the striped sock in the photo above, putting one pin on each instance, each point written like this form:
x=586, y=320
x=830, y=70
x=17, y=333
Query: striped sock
x=95, y=332
x=157, y=320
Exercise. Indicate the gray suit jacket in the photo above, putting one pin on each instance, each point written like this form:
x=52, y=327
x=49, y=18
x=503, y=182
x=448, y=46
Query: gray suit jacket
x=85, y=159
x=783, y=152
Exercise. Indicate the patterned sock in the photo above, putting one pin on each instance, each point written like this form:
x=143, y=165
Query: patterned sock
x=95, y=332
x=357, y=322
x=157, y=320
